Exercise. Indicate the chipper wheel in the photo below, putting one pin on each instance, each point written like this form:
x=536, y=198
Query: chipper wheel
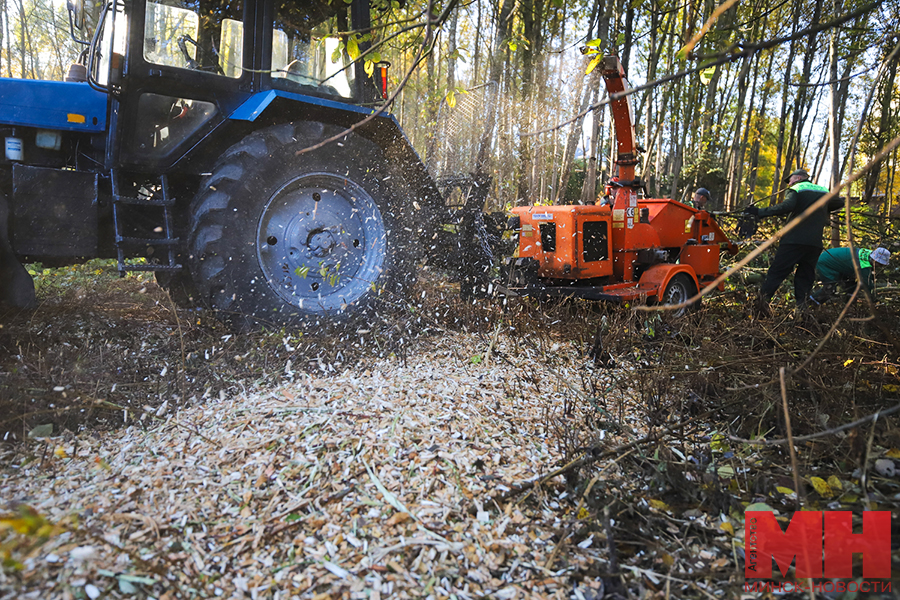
x=680, y=288
x=288, y=238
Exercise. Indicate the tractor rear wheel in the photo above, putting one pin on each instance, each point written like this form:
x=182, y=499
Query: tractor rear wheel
x=179, y=285
x=679, y=289
x=283, y=237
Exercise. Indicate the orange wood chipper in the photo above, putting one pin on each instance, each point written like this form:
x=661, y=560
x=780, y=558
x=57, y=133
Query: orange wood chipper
x=658, y=250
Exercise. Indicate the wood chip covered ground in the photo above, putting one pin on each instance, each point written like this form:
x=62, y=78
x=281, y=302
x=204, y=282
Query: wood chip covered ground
x=491, y=454
x=364, y=484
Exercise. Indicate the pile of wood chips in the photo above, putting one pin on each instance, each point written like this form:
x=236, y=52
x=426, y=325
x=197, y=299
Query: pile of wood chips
x=370, y=483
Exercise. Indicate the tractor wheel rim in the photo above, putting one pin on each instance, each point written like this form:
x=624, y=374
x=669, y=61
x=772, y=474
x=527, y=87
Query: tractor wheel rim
x=321, y=242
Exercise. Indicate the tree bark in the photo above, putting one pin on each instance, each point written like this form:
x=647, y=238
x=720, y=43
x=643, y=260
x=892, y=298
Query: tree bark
x=589, y=189
x=782, y=125
x=501, y=36
x=884, y=122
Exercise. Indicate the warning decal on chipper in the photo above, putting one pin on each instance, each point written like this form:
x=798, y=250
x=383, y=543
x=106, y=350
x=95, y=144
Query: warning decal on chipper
x=542, y=217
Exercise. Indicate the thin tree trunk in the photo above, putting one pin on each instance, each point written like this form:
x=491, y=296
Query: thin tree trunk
x=451, y=50
x=589, y=189
x=739, y=153
x=776, y=178
x=477, y=53
x=802, y=104
x=574, y=133
x=884, y=122
x=501, y=35
x=758, y=132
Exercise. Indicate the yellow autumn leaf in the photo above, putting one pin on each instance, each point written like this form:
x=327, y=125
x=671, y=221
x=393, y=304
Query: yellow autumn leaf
x=727, y=527
x=892, y=453
x=659, y=505
x=583, y=513
x=834, y=483
x=785, y=490
x=821, y=487
x=352, y=47
x=848, y=362
x=849, y=499
x=60, y=452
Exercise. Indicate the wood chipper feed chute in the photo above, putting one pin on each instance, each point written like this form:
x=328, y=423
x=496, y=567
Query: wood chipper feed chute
x=637, y=248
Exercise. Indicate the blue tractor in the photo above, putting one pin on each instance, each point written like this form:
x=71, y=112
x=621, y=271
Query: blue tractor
x=224, y=145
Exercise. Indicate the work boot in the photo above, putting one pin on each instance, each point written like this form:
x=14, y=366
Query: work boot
x=824, y=295
x=803, y=317
x=760, y=308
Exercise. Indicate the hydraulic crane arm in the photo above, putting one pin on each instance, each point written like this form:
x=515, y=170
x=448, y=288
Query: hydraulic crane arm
x=622, y=115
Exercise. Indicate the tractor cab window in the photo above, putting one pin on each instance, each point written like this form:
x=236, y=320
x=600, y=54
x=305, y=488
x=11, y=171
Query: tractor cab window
x=112, y=44
x=309, y=48
x=202, y=35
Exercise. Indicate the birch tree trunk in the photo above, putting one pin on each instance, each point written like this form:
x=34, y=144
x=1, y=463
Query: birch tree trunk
x=785, y=86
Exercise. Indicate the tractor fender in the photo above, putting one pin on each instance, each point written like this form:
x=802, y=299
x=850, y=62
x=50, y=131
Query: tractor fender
x=278, y=106
x=658, y=276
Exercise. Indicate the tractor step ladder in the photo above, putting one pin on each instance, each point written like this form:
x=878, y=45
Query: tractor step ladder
x=121, y=205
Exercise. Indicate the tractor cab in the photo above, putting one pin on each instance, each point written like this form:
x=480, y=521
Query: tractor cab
x=229, y=146
x=176, y=70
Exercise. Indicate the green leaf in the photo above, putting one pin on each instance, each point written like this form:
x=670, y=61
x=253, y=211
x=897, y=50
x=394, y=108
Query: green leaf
x=718, y=443
x=336, y=55
x=41, y=431
x=620, y=40
x=760, y=507
x=353, y=47
x=706, y=75
x=475, y=359
x=593, y=64
x=292, y=517
x=302, y=271
x=376, y=57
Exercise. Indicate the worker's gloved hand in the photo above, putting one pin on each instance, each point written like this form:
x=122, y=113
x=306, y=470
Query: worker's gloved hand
x=753, y=211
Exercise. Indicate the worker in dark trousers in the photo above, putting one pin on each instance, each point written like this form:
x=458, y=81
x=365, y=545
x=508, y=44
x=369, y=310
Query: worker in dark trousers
x=835, y=267
x=799, y=248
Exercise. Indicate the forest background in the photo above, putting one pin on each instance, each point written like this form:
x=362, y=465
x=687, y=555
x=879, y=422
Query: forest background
x=731, y=97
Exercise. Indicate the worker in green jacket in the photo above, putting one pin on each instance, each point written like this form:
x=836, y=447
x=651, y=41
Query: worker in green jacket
x=835, y=267
x=800, y=247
